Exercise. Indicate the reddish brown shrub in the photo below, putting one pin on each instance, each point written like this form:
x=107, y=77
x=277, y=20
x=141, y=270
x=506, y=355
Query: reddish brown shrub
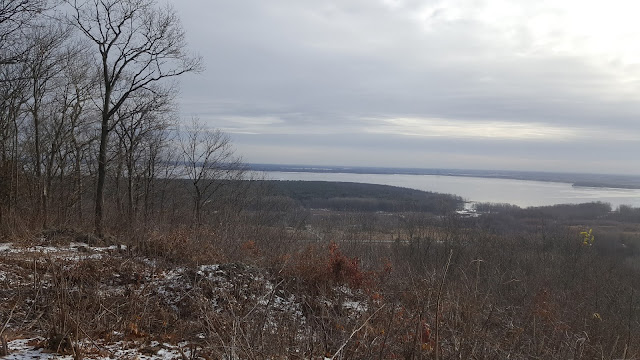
x=344, y=270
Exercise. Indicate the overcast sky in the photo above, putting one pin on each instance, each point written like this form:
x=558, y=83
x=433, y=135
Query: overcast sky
x=513, y=84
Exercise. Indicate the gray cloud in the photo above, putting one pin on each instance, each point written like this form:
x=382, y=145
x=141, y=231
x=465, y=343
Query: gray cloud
x=324, y=81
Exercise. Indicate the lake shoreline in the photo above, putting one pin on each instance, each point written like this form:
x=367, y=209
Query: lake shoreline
x=613, y=181
x=520, y=192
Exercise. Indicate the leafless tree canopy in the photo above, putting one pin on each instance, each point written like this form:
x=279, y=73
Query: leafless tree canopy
x=15, y=18
x=210, y=164
x=87, y=101
x=137, y=45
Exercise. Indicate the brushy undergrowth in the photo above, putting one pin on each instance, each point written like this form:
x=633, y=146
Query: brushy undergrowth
x=470, y=294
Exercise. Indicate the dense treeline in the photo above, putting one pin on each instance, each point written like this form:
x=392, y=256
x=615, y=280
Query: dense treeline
x=592, y=210
x=584, y=211
x=88, y=117
x=344, y=196
x=617, y=228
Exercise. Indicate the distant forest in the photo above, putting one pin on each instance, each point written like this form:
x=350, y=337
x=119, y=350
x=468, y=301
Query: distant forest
x=346, y=196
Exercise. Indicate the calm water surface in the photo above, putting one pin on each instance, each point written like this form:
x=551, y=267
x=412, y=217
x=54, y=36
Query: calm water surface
x=518, y=192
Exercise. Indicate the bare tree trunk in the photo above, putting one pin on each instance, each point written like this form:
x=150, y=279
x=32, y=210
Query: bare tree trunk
x=63, y=197
x=102, y=173
x=118, y=181
x=198, y=207
x=48, y=180
x=14, y=170
x=79, y=186
x=38, y=165
x=130, y=210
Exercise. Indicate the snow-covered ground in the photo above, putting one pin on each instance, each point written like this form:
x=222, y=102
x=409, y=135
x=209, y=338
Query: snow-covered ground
x=35, y=348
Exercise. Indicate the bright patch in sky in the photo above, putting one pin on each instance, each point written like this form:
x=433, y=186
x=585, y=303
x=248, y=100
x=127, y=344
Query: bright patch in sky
x=473, y=129
x=604, y=31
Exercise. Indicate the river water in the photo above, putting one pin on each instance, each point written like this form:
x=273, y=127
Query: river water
x=518, y=192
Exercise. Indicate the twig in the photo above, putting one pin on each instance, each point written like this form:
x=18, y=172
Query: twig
x=355, y=331
x=6, y=323
x=89, y=337
x=477, y=261
x=271, y=293
x=626, y=345
x=266, y=312
x=386, y=334
x=444, y=277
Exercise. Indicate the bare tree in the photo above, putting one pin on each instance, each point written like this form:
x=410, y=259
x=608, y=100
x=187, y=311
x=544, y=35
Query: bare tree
x=74, y=99
x=43, y=62
x=152, y=163
x=66, y=131
x=142, y=123
x=12, y=99
x=210, y=164
x=14, y=86
x=15, y=16
x=137, y=45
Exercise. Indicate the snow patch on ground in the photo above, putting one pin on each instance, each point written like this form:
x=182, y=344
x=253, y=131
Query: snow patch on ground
x=29, y=349
x=72, y=251
x=355, y=306
x=6, y=247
